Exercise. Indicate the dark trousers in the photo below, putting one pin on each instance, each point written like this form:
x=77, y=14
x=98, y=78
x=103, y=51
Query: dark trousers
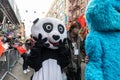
x=25, y=65
x=74, y=75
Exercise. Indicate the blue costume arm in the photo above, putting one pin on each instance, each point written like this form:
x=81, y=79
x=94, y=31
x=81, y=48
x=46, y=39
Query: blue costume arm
x=94, y=52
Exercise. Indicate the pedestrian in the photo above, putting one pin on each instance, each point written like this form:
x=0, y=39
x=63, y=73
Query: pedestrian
x=23, y=52
x=74, y=71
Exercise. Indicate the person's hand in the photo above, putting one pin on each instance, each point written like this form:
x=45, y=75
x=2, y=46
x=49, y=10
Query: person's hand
x=41, y=42
x=6, y=46
x=86, y=59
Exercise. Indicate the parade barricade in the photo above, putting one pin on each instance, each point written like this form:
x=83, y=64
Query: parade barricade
x=7, y=61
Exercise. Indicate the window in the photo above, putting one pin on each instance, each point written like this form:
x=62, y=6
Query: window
x=82, y=10
x=82, y=1
x=78, y=12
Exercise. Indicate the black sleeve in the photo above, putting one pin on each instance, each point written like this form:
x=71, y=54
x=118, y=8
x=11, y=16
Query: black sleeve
x=34, y=59
x=65, y=54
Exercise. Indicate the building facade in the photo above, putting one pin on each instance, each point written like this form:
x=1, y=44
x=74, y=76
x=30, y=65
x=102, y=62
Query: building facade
x=67, y=10
x=10, y=20
x=76, y=9
x=58, y=10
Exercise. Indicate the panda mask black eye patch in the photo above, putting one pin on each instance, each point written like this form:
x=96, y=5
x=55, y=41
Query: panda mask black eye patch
x=61, y=28
x=48, y=27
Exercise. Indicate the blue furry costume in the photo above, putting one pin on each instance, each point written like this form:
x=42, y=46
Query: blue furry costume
x=103, y=41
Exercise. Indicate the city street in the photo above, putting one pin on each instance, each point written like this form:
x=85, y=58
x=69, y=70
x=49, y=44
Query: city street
x=16, y=34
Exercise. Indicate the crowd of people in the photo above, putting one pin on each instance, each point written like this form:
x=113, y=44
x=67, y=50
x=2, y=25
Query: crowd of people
x=7, y=41
x=16, y=43
x=99, y=50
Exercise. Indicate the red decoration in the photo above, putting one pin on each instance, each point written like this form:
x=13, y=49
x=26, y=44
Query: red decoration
x=2, y=49
x=82, y=21
x=21, y=50
x=67, y=28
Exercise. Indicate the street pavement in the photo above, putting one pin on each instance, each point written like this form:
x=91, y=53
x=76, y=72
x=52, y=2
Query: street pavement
x=18, y=72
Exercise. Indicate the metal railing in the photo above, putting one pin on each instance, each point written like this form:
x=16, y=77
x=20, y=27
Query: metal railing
x=7, y=62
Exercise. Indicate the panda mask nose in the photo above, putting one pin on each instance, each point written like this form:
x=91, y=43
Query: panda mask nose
x=56, y=37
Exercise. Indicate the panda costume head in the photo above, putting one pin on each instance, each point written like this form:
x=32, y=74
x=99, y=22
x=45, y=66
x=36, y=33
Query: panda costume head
x=50, y=28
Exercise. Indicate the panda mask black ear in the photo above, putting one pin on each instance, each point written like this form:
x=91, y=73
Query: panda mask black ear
x=35, y=21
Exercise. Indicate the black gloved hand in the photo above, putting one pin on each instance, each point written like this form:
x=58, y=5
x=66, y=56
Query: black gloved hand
x=64, y=53
x=61, y=44
x=41, y=42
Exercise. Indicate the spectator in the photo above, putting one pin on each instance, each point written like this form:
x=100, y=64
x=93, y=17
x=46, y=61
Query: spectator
x=74, y=70
x=23, y=52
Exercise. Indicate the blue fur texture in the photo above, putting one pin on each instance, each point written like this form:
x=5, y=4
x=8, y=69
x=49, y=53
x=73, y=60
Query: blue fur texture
x=103, y=41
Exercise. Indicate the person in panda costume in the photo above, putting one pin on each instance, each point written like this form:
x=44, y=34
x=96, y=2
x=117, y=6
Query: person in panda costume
x=49, y=55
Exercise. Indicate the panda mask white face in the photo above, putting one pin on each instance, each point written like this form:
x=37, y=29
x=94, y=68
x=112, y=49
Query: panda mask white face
x=51, y=28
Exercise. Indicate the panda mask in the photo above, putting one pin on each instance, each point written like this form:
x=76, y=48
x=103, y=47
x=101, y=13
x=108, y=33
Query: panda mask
x=51, y=29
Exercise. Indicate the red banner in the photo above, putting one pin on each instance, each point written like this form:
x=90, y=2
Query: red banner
x=2, y=49
x=82, y=21
x=21, y=50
